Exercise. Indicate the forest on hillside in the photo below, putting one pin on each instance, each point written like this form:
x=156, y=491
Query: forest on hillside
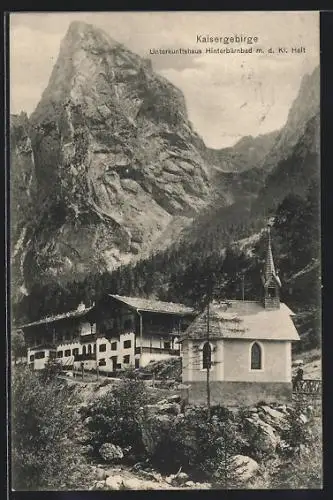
x=212, y=262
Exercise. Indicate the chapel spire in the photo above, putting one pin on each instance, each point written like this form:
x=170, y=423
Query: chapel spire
x=271, y=280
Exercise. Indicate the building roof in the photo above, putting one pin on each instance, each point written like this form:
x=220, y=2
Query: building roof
x=78, y=313
x=43, y=346
x=153, y=305
x=236, y=319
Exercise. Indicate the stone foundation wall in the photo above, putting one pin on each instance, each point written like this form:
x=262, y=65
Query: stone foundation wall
x=238, y=393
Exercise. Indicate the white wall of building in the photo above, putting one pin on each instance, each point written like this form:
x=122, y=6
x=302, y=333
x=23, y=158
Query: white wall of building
x=231, y=361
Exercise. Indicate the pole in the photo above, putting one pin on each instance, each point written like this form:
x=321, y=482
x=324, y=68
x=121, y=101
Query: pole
x=97, y=372
x=208, y=364
x=141, y=341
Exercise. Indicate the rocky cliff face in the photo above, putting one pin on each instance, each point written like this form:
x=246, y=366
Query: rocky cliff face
x=303, y=109
x=108, y=167
x=115, y=159
x=246, y=154
x=23, y=191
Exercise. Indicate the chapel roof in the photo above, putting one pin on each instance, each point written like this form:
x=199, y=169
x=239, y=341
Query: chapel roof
x=154, y=305
x=237, y=319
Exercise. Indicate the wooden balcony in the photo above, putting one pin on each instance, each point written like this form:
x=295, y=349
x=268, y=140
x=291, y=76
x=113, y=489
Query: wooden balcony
x=157, y=350
x=88, y=337
x=85, y=357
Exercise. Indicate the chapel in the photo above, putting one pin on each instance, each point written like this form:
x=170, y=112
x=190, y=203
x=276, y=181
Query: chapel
x=244, y=345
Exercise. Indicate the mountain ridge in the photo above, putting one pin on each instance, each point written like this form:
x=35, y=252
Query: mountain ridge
x=117, y=169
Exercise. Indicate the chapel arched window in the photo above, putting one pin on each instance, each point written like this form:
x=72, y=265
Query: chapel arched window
x=206, y=356
x=256, y=357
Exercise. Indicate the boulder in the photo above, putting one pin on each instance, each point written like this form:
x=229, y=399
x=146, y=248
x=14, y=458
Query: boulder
x=244, y=467
x=177, y=479
x=190, y=484
x=303, y=418
x=154, y=476
x=155, y=423
x=134, y=483
x=100, y=474
x=174, y=399
x=100, y=485
x=114, y=482
x=261, y=435
x=273, y=417
x=111, y=452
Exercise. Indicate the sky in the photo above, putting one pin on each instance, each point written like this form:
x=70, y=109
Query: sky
x=228, y=96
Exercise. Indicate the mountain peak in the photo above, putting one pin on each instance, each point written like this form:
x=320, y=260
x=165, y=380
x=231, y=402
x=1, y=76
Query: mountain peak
x=88, y=36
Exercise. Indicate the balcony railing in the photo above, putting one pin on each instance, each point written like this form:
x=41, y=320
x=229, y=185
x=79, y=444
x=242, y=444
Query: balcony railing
x=85, y=357
x=89, y=337
x=157, y=350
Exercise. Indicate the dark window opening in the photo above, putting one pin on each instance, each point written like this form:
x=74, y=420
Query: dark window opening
x=126, y=359
x=75, y=352
x=127, y=344
x=256, y=362
x=60, y=354
x=102, y=362
x=67, y=352
x=40, y=355
x=102, y=347
x=32, y=357
x=271, y=293
x=84, y=350
x=89, y=349
x=113, y=346
x=53, y=354
x=137, y=363
x=167, y=345
x=207, y=356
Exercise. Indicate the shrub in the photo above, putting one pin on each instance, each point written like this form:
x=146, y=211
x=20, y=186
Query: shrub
x=201, y=445
x=44, y=425
x=113, y=417
x=51, y=370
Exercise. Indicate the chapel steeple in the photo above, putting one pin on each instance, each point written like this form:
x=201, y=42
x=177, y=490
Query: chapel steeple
x=270, y=278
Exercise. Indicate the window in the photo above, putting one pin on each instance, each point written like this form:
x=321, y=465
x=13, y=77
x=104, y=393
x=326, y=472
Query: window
x=137, y=363
x=84, y=350
x=113, y=346
x=126, y=359
x=127, y=344
x=89, y=349
x=206, y=356
x=40, y=355
x=256, y=358
x=67, y=352
x=271, y=292
x=32, y=357
x=94, y=348
x=102, y=347
x=167, y=345
x=60, y=354
x=53, y=354
x=102, y=362
x=75, y=352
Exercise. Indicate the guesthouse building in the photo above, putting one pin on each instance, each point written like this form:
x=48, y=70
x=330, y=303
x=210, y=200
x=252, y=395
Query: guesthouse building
x=117, y=332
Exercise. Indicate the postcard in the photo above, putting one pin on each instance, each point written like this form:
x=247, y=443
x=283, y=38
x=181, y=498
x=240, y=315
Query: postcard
x=165, y=250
